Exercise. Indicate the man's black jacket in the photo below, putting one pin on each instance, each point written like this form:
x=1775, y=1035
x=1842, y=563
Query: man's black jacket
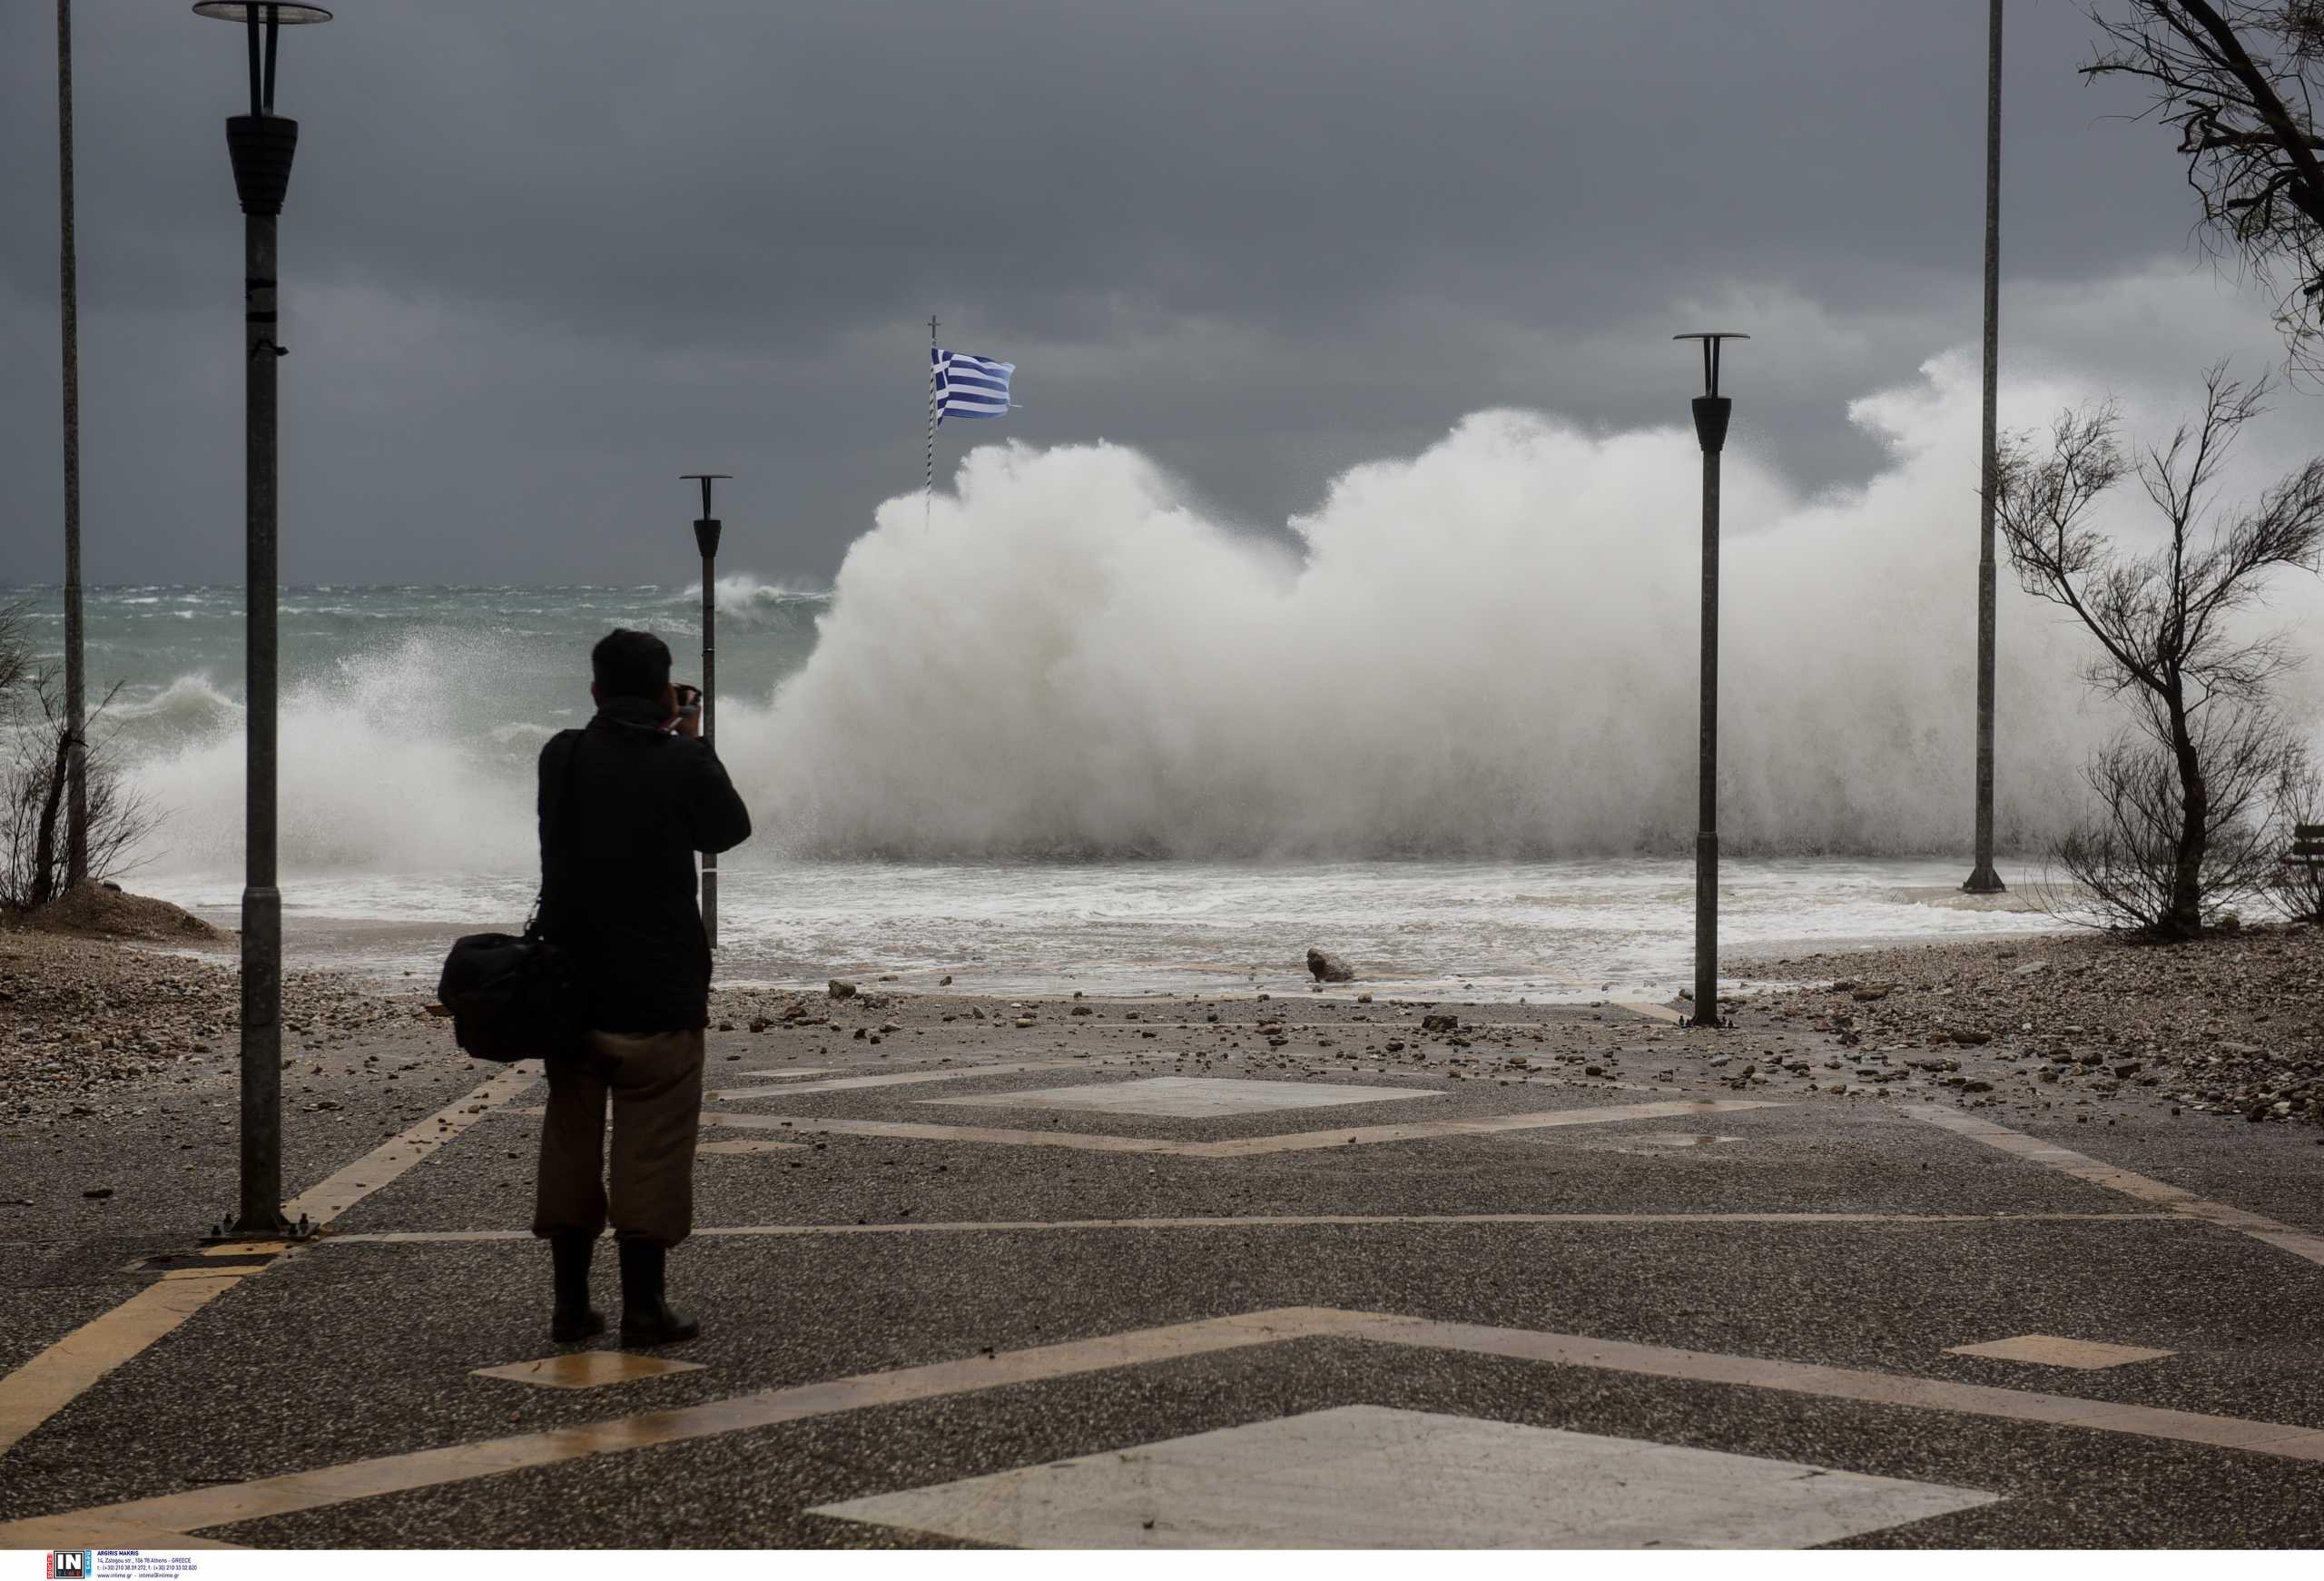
x=624, y=805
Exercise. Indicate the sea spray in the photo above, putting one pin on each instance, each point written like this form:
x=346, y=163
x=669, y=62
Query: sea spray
x=744, y=598
x=1483, y=650
x=374, y=777
x=1488, y=648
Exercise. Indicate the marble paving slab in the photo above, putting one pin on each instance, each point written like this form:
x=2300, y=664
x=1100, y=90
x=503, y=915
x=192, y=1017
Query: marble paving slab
x=589, y=1368
x=1366, y=1477
x=1189, y=1097
x=2053, y=1350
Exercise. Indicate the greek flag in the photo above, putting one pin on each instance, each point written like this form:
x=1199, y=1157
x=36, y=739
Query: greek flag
x=965, y=386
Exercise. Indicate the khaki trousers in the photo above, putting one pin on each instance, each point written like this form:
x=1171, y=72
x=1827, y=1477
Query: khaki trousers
x=654, y=1081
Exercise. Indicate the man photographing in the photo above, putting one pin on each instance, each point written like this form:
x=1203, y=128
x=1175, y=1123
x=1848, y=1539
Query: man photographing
x=624, y=805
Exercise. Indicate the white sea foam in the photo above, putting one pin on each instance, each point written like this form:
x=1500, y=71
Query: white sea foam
x=748, y=599
x=524, y=732
x=371, y=777
x=189, y=704
x=1488, y=647
x=1485, y=649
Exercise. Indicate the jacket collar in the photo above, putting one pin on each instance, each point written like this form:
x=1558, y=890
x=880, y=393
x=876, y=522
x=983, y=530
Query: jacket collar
x=631, y=713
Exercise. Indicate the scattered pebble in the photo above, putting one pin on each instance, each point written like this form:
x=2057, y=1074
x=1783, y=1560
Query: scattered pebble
x=2216, y=1025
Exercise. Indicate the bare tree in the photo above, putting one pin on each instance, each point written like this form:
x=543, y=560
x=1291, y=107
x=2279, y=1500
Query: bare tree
x=2297, y=884
x=2179, y=795
x=15, y=659
x=2127, y=866
x=37, y=737
x=2239, y=80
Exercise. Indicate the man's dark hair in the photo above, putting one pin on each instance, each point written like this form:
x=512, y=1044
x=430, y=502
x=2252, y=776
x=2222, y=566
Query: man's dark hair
x=631, y=663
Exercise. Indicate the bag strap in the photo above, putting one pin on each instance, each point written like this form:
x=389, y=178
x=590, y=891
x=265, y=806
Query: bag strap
x=558, y=809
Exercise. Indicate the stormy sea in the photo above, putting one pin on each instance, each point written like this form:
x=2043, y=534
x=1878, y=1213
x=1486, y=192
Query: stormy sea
x=1065, y=729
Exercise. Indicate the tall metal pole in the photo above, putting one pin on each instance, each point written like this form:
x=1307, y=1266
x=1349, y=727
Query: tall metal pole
x=261, y=145
x=1711, y=412
x=261, y=1205
x=705, y=538
x=1984, y=880
x=76, y=694
x=1707, y=767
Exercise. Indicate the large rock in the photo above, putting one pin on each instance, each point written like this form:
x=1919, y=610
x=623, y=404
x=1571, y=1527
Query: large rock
x=840, y=988
x=1329, y=968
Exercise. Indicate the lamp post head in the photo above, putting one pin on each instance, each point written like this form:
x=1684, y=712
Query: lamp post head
x=261, y=142
x=251, y=14
x=705, y=529
x=705, y=479
x=1712, y=408
x=240, y=11
x=1710, y=339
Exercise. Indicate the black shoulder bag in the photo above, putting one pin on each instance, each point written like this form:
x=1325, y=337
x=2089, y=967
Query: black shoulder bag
x=517, y=997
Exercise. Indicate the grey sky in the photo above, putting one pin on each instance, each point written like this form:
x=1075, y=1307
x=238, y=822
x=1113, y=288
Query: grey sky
x=540, y=258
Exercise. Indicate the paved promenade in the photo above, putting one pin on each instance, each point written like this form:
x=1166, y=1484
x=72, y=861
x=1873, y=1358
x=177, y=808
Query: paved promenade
x=1186, y=1273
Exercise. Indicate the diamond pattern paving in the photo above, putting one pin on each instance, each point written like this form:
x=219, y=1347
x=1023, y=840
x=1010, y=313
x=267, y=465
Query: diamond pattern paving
x=1368, y=1476
x=587, y=1369
x=2050, y=1350
x=1189, y=1097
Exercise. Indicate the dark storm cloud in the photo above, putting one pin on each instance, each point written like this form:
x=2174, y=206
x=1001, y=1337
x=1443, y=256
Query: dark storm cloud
x=540, y=258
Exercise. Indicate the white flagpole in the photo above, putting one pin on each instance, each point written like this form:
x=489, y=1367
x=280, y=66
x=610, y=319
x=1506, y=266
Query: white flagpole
x=928, y=484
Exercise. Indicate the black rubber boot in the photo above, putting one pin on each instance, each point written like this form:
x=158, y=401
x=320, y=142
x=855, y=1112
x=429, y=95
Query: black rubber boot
x=573, y=1318
x=646, y=1317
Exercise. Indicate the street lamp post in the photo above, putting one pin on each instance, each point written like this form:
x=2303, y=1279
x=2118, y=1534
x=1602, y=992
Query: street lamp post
x=1982, y=879
x=705, y=538
x=68, y=272
x=1711, y=410
x=262, y=144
